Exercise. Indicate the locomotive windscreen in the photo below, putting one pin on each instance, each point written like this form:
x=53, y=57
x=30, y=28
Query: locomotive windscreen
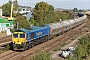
x=22, y=35
x=15, y=35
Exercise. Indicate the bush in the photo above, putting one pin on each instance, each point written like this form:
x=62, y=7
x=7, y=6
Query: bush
x=6, y=48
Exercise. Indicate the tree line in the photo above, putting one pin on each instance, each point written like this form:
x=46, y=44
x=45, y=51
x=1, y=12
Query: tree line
x=43, y=13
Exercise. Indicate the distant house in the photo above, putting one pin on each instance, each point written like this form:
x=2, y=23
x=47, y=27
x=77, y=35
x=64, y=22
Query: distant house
x=24, y=10
x=60, y=9
x=6, y=25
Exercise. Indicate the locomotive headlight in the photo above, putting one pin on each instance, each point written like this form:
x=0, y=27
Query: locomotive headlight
x=13, y=42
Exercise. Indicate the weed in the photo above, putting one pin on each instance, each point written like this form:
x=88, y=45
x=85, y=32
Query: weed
x=57, y=48
x=63, y=44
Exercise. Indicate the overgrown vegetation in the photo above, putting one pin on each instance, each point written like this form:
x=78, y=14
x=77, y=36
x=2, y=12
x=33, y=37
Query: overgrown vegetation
x=88, y=26
x=43, y=55
x=57, y=48
x=63, y=44
x=74, y=37
x=82, y=50
x=6, y=48
x=88, y=21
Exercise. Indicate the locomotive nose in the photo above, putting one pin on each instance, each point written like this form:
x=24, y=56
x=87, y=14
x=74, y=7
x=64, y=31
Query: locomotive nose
x=19, y=38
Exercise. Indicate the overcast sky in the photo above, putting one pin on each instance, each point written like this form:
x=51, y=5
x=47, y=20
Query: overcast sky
x=67, y=4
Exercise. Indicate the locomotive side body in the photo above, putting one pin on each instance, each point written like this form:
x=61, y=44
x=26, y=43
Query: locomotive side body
x=38, y=32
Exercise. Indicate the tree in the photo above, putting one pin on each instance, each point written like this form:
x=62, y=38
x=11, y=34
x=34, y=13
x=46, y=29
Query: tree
x=51, y=8
x=6, y=8
x=75, y=10
x=39, y=12
x=43, y=13
x=32, y=21
x=80, y=10
x=23, y=23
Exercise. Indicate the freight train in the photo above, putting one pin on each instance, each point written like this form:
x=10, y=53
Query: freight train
x=25, y=38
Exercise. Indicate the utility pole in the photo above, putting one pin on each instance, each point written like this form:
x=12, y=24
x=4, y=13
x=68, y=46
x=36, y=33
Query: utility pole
x=17, y=24
x=11, y=18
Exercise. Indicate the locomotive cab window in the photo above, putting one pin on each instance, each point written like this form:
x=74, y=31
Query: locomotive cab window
x=15, y=35
x=22, y=35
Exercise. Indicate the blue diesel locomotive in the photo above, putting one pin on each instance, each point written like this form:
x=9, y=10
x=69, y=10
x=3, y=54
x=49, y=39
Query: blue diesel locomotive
x=25, y=38
x=28, y=37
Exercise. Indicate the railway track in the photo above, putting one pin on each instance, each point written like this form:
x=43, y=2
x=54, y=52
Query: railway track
x=9, y=54
x=49, y=45
x=5, y=40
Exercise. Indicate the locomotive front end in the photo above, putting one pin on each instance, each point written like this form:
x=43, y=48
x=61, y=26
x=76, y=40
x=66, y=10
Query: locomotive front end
x=18, y=40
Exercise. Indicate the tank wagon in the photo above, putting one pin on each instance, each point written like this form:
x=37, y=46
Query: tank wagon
x=25, y=38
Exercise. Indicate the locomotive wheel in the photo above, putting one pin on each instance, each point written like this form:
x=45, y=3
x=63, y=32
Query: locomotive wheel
x=25, y=47
x=32, y=45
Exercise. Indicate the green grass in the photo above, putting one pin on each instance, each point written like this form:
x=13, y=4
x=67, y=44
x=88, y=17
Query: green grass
x=74, y=37
x=6, y=48
x=57, y=48
x=43, y=55
x=88, y=26
x=63, y=44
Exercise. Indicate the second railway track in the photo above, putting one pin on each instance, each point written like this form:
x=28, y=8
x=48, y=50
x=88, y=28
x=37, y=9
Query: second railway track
x=5, y=40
